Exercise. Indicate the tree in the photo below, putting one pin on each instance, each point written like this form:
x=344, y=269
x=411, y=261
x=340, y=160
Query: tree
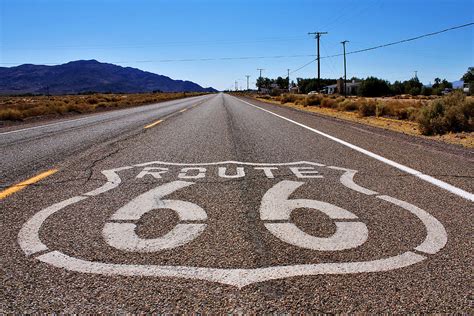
x=282, y=82
x=374, y=87
x=307, y=85
x=263, y=82
x=398, y=88
x=446, y=84
x=413, y=86
x=469, y=75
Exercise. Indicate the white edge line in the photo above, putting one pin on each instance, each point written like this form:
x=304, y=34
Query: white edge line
x=46, y=125
x=441, y=184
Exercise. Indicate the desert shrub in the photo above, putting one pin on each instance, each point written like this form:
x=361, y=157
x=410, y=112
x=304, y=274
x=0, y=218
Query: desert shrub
x=39, y=110
x=402, y=114
x=328, y=103
x=312, y=100
x=381, y=109
x=300, y=101
x=453, y=113
x=348, y=105
x=285, y=98
x=102, y=105
x=367, y=108
x=11, y=114
x=93, y=100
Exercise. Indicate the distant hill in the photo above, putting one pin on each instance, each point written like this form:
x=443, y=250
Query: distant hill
x=87, y=76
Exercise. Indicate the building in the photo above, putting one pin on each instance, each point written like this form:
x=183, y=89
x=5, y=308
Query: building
x=351, y=87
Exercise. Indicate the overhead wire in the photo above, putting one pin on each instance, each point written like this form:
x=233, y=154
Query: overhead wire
x=280, y=56
x=387, y=44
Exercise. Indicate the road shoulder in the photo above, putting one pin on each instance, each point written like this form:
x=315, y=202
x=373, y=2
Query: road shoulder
x=407, y=128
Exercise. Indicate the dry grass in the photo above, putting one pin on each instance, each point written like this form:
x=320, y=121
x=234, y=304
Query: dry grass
x=22, y=107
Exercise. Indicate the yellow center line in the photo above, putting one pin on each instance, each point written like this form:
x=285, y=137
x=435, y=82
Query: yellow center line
x=172, y=114
x=19, y=186
x=153, y=124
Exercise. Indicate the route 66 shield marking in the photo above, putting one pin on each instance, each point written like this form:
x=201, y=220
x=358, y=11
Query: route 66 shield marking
x=275, y=212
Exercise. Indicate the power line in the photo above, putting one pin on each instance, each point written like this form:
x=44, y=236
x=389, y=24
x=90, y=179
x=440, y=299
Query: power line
x=271, y=57
x=187, y=59
x=162, y=44
x=389, y=44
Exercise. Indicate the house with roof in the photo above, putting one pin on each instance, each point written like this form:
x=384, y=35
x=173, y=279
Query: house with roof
x=351, y=87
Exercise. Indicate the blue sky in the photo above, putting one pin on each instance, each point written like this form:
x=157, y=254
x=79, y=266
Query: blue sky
x=143, y=34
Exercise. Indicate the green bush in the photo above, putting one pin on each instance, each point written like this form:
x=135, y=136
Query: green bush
x=374, y=87
x=426, y=91
x=452, y=113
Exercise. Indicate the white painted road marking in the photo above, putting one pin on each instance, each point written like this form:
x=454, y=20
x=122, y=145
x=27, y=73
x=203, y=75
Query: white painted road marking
x=277, y=206
x=46, y=125
x=123, y=236
x=31, y=244
x=418, y=174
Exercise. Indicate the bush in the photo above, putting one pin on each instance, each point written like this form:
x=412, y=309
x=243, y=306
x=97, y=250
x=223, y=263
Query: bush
x=452, y=113
x=381, y=110
x=328, y=103
x=10, y=114
x=367, y=108
x=426, y=91
x=285, y=98
x=348, y=105
x=415, y=91
x=312, y=100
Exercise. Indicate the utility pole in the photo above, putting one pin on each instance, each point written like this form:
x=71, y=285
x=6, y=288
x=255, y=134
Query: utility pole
x=317, y=36
x=345, y=74
x=288, y=80
x=260, y=69
x=248, y=76
x=236, y=85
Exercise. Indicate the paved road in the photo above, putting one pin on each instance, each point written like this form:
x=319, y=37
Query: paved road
x=239, y=206
x=29, y=149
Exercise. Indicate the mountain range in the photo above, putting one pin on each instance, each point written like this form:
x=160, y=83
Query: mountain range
x=84, y=76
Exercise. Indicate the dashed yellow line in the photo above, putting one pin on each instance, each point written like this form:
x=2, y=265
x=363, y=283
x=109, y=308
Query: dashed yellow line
x=153, y=124
x=170, y=115
x=24, y=184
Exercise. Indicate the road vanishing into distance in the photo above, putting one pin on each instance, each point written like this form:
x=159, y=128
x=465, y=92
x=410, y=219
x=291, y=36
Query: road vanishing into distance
x=221, y=204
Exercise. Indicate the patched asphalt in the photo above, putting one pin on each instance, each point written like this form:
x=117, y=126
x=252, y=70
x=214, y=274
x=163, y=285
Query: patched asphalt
x=224, y=129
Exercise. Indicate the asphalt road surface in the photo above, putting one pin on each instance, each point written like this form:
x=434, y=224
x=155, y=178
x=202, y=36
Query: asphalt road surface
x=224, y=205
